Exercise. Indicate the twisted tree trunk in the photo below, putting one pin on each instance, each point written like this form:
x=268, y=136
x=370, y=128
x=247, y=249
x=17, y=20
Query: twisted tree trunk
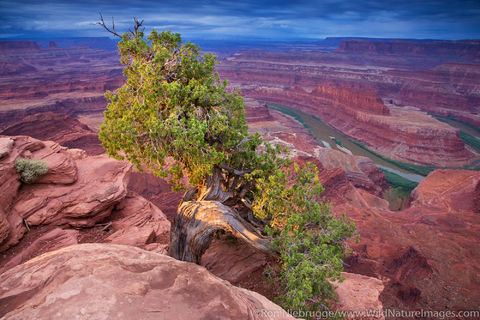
x=214, y=190
x=198, y=221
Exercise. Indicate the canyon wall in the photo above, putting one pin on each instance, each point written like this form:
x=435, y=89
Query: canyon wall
x=452, y=50
x=367, y=96
x=63, y=80
x=426, y=256
x=406, y=135
x=380, y=100
x=61, y=128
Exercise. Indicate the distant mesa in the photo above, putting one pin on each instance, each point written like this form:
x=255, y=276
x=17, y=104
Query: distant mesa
x=52, y=44
x=456, y=50
x=25, y=46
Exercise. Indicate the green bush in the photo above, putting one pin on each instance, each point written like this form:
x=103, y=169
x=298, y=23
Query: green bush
x=30, y=170
x=309, y=239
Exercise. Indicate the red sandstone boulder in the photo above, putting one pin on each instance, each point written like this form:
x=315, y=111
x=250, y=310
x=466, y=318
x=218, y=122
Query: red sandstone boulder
x=232, y=260
x=359, y=296
x=86, y=193
x=138, y=222
x=101, y=184
x=62, y=168
x=99, y=281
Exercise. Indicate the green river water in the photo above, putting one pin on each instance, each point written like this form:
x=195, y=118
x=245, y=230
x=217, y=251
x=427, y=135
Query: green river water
x=322, y=132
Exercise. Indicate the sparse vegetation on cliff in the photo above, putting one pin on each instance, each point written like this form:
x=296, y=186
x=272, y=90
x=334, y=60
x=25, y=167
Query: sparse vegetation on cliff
x=30, y=170
x=175, y=118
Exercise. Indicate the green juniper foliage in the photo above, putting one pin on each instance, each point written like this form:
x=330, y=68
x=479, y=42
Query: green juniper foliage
x=308, y=238
x=30, y=170
x=175, y=117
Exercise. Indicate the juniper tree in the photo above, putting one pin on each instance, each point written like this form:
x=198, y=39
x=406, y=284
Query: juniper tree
x=175, y=117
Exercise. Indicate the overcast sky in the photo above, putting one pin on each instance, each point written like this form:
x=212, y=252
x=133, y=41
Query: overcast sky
x=267, y=19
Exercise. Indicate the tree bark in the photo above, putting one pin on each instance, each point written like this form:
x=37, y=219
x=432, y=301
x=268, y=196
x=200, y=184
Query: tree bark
x=198, y=221
x=214, y=188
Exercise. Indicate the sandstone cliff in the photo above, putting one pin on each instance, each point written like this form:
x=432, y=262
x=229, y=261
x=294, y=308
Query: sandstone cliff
x=403, y=134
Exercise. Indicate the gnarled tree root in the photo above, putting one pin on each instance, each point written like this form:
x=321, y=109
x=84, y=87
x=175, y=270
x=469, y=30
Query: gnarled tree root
x=196, y=224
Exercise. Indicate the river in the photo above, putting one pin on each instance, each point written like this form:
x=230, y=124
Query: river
x=323, y=133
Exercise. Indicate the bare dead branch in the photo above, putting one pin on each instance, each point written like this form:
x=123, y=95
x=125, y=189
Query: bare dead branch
x=138, y=24
x=105, y=26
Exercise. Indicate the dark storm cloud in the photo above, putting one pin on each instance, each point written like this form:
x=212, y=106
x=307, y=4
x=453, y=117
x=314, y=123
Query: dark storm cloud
x=262, y=19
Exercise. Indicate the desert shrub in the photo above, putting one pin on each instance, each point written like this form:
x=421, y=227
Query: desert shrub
x=309, y=239
x=30, y=170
